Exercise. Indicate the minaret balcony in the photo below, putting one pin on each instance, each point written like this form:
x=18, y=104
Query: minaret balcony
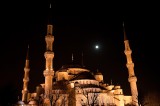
x=49, y=54
x=26, y=69
x=24, y=91
x=25, y=79
x=128, y=52
x=48, y=73
x=132, y=79
x=130, y=65
x=49, y=38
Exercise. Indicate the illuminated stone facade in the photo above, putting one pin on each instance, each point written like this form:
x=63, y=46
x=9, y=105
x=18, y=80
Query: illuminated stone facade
x=75, y=85
x=130, y=65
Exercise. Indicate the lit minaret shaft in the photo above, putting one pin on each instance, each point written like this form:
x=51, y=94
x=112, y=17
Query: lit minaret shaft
x=49, y=55
x=130, y=65
x=26, y=78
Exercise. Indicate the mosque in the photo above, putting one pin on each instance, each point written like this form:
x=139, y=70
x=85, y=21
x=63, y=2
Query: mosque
x=75, y=85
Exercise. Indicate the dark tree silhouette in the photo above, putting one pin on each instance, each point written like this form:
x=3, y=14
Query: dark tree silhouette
x=8, y=95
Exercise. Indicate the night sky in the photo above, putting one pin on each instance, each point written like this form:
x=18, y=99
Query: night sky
x=78, y=27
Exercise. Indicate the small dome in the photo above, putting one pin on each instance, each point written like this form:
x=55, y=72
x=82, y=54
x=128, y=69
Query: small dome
x=32, y=102
x=117, y=87
x=39, y=86
x=98, y=73
x=76, y=84
x=20, y=103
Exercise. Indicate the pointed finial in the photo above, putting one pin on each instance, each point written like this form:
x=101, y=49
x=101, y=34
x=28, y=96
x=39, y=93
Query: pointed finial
x=18, y=98
x=97, y=70
x=82, y=60
x=72, y=57
x=50, y=6
x=111, y=81
x=123, y=24
x=27, y=57
x=50, y=14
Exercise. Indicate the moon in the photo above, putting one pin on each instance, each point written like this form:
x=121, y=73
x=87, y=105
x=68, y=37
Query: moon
x=96, y=47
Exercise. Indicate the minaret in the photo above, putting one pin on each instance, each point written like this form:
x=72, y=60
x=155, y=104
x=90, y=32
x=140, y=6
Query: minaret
x=130, y=65
x=49, y=55
x=26, y=78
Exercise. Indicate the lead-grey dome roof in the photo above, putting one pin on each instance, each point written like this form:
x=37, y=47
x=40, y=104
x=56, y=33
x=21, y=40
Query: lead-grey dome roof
x=84, y=75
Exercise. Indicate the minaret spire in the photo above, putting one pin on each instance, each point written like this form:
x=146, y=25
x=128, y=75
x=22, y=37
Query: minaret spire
x=49, y=55
x=27, y=56
x=124, y=32
x=130, y=65
x=50, y=14
x=26, y=78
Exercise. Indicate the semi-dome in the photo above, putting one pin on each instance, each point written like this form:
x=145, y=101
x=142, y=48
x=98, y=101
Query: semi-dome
x=62, y=70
